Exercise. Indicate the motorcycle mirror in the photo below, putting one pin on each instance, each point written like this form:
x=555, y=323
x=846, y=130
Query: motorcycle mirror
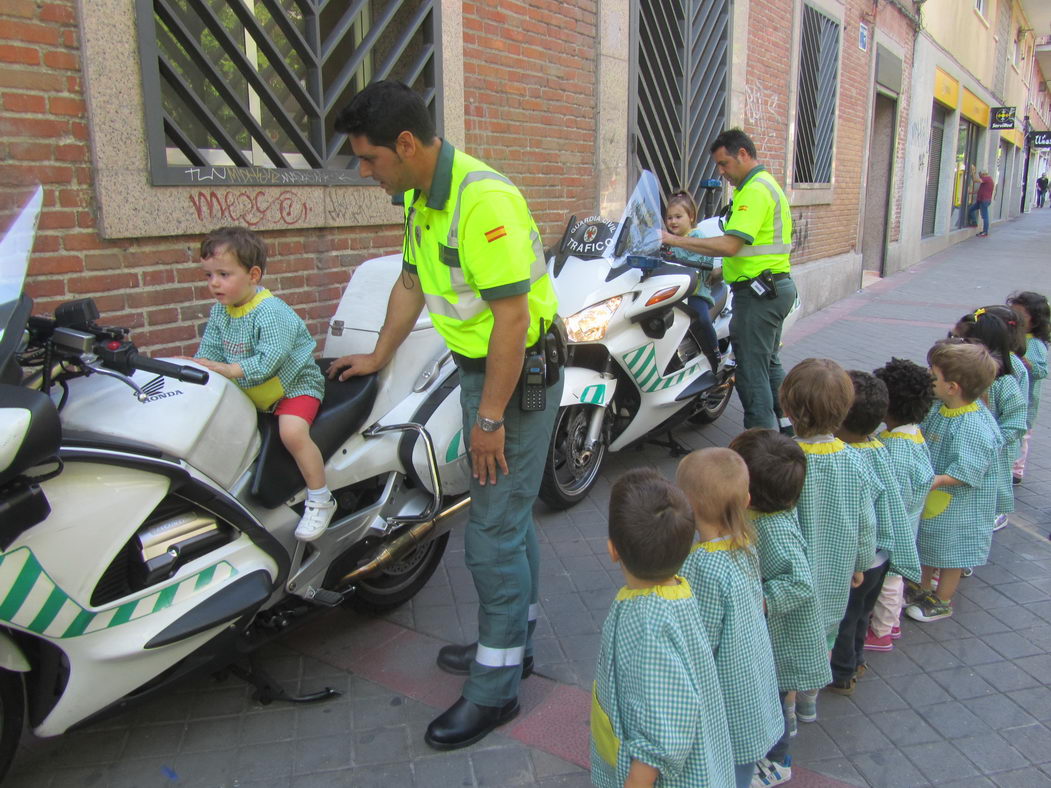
x=560, y=256
x=623, y=237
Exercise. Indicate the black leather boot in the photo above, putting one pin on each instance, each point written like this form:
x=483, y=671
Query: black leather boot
x=458, y=659
x=464, y=723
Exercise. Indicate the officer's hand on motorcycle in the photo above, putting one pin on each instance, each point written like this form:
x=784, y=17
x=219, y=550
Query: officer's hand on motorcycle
x=487, y=453
x=349, y=366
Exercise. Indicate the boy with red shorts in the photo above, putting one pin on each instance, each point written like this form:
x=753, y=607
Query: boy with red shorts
x=258, y=341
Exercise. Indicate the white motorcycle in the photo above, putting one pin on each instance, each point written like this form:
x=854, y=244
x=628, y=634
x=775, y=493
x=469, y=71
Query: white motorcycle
x=636, y=368
x=147, y=515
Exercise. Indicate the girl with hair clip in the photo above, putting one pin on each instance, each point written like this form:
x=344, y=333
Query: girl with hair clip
x=1034, y=315
x=1005, y=399
x=680, y=219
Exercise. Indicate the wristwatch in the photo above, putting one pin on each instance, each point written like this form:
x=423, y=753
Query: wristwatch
x=489, y=425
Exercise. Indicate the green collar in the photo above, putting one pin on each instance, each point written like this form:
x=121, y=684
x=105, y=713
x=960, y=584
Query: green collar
x=751, y=174
x=442, y=182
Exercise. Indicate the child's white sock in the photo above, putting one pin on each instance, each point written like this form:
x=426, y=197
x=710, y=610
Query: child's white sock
x=320, y=495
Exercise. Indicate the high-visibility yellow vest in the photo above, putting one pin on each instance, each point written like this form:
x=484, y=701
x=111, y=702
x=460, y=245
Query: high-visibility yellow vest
x=470, y=240
x=762, y=218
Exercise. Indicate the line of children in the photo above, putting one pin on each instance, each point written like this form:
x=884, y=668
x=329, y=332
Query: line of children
x=1035, y=316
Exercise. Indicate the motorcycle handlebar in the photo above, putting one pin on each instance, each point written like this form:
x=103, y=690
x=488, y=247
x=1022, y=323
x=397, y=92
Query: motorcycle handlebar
x=179, y=372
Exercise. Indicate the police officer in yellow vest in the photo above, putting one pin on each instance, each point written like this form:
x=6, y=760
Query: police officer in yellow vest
x=474, y=257
x=755, y=253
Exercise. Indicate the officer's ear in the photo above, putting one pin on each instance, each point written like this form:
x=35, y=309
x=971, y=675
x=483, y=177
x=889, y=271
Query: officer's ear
x=406, y=145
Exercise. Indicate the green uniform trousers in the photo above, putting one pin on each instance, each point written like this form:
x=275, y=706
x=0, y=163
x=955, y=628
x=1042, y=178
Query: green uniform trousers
x=755, y=333
x=500, y=544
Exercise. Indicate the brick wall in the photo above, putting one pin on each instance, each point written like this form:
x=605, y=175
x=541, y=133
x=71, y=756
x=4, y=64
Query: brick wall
x=522, y=72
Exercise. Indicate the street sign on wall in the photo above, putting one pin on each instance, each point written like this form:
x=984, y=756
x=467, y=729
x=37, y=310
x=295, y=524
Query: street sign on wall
x=1040, y=139
x=1002, y=117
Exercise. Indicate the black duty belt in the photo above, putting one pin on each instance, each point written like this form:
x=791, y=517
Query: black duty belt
x=554, y=339
x=745, y=284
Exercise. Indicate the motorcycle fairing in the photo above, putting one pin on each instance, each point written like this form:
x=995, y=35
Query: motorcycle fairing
x=585, y=386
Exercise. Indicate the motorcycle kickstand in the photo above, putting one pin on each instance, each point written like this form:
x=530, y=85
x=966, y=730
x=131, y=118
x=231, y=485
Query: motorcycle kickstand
x=267, y=689
x=674, y=447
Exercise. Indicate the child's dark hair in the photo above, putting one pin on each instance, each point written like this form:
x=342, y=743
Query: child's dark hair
x=870, y=403
x=816, y=395
x=968, y=364
x=1015, y=326
x=247, y=246
x=776, y=468
x=910, y=389
x=650, y=524
x=1039, y=312
x=991, y=331
x=383, y=110
x=684, y=199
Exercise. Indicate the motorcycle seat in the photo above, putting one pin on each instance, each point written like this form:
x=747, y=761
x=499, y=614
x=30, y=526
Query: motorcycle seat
x=343, y=412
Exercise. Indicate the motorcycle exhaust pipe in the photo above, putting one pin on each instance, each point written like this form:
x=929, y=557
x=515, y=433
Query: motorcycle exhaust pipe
x=401, y=545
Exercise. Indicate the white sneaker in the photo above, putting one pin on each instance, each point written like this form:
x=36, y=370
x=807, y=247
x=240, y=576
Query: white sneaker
x=769, y=772
x=315, y=519
x=1000, y=522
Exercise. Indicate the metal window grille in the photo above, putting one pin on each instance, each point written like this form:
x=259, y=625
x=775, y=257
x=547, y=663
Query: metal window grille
x=680, y=89
x=248, y=90
x=934, y=171
x=816, y=102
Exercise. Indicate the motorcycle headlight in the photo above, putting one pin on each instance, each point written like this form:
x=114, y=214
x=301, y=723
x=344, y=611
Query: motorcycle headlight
x=589, y=325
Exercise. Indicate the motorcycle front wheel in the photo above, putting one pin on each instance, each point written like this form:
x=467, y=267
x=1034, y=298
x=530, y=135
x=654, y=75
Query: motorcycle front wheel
x=571, y=468
x=400, y=580
x=12, y=717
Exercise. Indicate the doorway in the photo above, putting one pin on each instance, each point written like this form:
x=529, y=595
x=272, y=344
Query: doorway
x=878, y=185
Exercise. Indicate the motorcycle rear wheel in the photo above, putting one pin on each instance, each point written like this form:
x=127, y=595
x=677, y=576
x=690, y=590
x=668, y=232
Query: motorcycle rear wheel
x=12, y=717
x=571, y=470
x=400, y=580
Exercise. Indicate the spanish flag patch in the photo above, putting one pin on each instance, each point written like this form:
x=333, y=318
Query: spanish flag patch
x=495, y=234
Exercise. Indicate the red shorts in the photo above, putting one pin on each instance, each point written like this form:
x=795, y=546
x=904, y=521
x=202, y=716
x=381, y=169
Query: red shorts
x=304, y=406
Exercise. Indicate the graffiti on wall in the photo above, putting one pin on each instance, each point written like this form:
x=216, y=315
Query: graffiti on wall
x=250, y=208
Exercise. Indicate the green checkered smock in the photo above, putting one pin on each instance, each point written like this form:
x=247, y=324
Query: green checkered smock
x=837, y=518
x=272, y=345
x=796, y=635
x=911, y=463
x=1036, y=364
x=656, y=696
x=956, y=527
x=894, y=531
x=730, y=600
x=1007, y=404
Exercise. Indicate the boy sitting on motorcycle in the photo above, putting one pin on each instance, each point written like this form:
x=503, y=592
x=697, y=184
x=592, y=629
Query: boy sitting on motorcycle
x=258, y=341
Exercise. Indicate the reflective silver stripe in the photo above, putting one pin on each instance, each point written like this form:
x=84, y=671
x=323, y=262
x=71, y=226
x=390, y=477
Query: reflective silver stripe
x=468, y=179
x=499, y=657
x=778, y=248
x=534, y=611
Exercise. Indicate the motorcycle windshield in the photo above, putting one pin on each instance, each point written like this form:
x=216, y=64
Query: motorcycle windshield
x=19, y=210
x=639, y=231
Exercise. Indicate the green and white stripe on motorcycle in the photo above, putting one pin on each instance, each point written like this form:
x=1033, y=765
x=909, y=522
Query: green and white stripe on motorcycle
x=642, y=364
x=594, y=394
x=30, y=599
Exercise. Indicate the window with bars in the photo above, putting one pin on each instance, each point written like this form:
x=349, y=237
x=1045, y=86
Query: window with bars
x=248, y=90
x=816, y=97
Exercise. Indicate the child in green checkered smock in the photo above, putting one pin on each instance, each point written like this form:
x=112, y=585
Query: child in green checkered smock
x=657, y=712
x=723, y=571
x=956, y=524
x=909, y=398
x=258, y=341
x=776, y=469
x=1035, y=316
x=1004, y=398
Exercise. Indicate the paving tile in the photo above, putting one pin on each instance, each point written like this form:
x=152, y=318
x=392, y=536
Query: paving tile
x=979, y=622
x=443, y=770
x=385, y=776
x=932, y=656
x=888, y=770
x=892, y=663
x=1012, y=645
x=963, y=683
x=813, y=744
x=855, y=734
x=840, y=769
x=919, y=689
x=581, y=780
x=323, y=754
x=873, y=695
x=1038, y=666
x=999, y=712
x=1033, y=741
x=380, y=745
x=973, y=651
x=939, y=760
x=1035, y=701
x=1022, y=592
x=954, y=720
x=503, y=767
x=904, y=727
x=547, y=765
x=990, y=753
x=1023, y=778
x=1005, y=676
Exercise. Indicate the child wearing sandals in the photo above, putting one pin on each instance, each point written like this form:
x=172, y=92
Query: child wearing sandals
x=1035, y=316
x=776, y=469
x=910, y=395
x=657, y=709
x=836, y=507
x=895, y=537
x=956, y=524
x=722, y=567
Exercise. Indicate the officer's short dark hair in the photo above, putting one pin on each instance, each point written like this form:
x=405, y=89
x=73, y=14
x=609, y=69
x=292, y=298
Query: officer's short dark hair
x=383, y=110
x=247, y=246
x=650, y=524
x=733, y=140
x=776, y=469
x=870, y=403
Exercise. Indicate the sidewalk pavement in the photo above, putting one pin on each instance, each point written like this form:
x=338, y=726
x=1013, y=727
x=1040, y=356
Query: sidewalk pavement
x=958, y=702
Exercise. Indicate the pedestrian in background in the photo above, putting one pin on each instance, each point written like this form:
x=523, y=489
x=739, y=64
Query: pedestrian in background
x=982, y=198
x=1041, y=190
